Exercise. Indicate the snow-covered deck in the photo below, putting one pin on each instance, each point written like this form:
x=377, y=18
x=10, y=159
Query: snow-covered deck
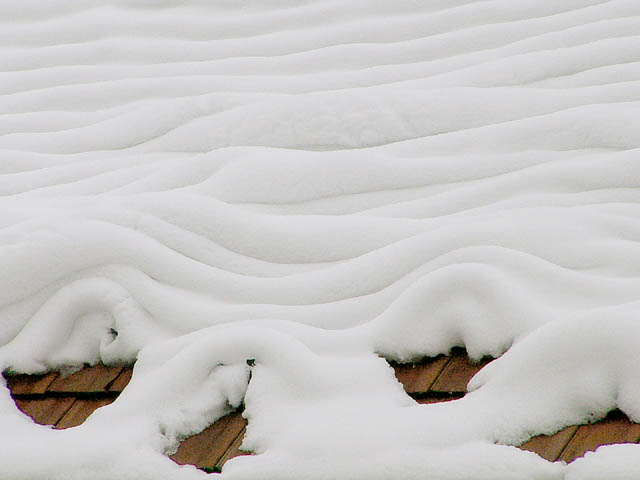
x=66, y=401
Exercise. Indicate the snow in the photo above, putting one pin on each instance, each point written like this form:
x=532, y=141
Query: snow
x=317, y=185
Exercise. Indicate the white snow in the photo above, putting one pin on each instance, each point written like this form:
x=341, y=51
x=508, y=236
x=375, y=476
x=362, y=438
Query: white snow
x=314, y=185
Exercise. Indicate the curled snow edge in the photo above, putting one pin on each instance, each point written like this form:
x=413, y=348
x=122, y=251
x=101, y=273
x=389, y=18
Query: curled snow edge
x=309, y=383
x=316, y=186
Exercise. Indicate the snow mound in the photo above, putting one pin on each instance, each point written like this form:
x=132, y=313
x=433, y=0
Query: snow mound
x=314, y=185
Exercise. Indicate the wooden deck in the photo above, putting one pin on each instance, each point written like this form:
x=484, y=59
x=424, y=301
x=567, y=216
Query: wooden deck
x=441, y=378
x=66, y=401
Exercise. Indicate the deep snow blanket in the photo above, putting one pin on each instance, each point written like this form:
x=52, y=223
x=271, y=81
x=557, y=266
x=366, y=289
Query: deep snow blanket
x=313, y=185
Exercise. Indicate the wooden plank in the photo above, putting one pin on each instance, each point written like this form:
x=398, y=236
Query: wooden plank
x=417, y=378
x=615, y=428
x=80, y=411
x=30, y=384
x=457, y=373
x=121, y=381
x=205, y=449
x=90, y=379
x=549, y=447
x=427, y=400
x=195, y=450
x=233, y=451
x=46, y=411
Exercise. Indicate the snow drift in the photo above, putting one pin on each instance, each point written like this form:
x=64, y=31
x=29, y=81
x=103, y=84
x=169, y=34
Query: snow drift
x=314, y=185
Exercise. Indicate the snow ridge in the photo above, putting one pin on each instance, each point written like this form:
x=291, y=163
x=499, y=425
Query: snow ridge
x=311, y=185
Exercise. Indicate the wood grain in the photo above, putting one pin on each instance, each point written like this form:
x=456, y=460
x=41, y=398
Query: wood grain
x=80, y=411
x=456, y=374
x=45, y=411
x=30, y=384
x=206, y=448
x=549, y=447
x=417, y=378
x=90, y=379
x=615, y=428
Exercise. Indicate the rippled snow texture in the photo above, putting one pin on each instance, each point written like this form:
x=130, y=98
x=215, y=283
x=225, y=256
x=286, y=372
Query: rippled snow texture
x=312, y=184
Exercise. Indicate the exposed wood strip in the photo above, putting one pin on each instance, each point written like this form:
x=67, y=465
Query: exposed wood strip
x=206, y=448
x=195, y=449
x=91, y=379
x=457, y=373
x=45, y=411
x=426, y=400
x=417, y=378
x=121, y=381
x=550, y=447
x=615, y=428
x=30, y=384
x=80, y=411
x=233, y=451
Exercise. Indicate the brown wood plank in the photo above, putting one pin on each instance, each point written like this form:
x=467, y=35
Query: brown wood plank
x=457, y=373
x=418, y=377
x=205, y=449
x=30, y=384
x=549, y=447
x=121, y=380
x=426, y=400
x=195, y=450
x=80, y=411
x=46, y=411
x=615, y=428
x=90, y=379
x=233, y=451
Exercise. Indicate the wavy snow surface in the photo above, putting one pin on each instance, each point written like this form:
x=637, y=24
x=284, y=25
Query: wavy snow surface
x=312, y=184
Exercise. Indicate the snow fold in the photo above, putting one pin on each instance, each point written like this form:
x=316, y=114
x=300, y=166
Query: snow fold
x=313, y=185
